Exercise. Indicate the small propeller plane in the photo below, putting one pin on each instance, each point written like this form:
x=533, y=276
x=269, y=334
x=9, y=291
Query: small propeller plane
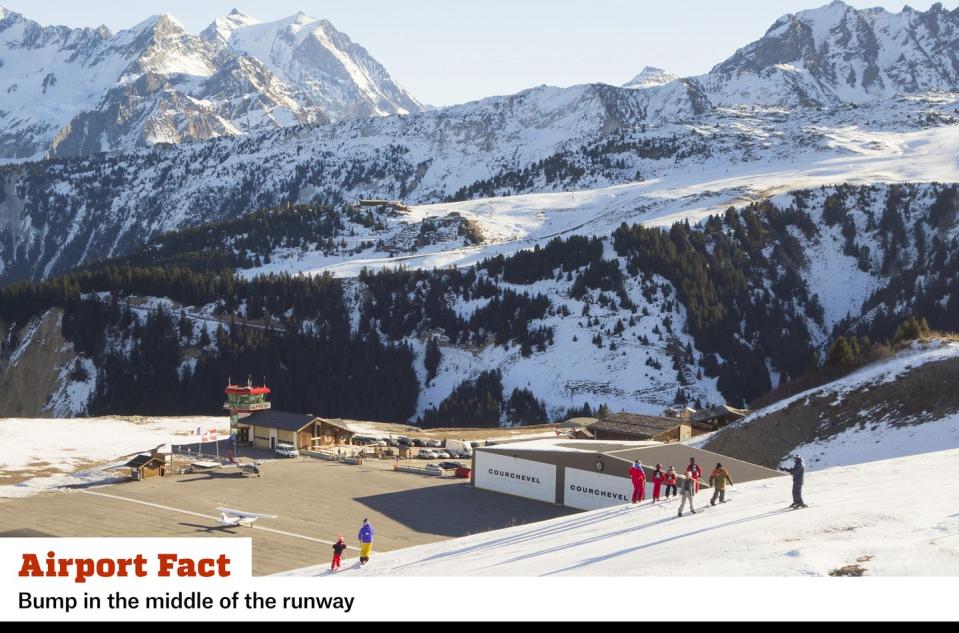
x=235, y=518
x=249, y=469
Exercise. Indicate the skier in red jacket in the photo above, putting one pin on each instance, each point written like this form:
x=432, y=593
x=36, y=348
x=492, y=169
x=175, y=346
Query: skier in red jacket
x=638, y=475
x=671, y=479
x=658, y=477
x=338, y=548
x=694, y=471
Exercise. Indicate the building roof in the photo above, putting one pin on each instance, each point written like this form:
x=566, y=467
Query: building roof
x=141, y=460
x=278, y=420
x=644, y=426
x=343, y=425
x=722, y=410
x=234, y=390
x=578, y=423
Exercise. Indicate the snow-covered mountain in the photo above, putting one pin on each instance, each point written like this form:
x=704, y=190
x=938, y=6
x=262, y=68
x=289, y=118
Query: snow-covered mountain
x=839, y=54
x=650, y=77
x=79, y=91
x=333, y=73
x=541, y=140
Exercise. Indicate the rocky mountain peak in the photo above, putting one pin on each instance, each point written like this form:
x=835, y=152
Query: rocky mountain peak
x=649, y=77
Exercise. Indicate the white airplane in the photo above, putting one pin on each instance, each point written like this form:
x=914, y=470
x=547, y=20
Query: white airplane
x=234, y=518
x=249, y=469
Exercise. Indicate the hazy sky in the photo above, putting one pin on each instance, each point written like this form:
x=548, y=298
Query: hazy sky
x=452, y=51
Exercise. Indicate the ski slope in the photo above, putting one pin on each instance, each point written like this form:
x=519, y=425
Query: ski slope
x=879, y=515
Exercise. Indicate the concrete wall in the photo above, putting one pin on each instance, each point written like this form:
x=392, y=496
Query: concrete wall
x=591, y=480
x=677, y=456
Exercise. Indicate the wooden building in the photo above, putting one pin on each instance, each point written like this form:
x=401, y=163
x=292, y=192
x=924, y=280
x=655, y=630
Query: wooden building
x=266, y=429
x=331, y=433
x=147, y=467
x=718, y=417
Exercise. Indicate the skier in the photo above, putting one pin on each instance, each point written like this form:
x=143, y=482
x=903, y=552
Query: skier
x=338, y=548
x=798, y=472
x=671, y=479
x=687, y=489
x=718, y=479
x=366, y=539
x=638, y=475
x=694, y=471
x=658, y=477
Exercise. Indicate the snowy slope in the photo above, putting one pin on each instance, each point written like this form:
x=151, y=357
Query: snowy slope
x=520, y=222
x=891, y=408
x=79, y=451
x=72, y=215
x=853, y=519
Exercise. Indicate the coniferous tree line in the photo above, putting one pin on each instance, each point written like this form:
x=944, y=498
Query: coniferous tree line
x=737, y=276
x=720, y=273
x=251, y=239
x=480, y=403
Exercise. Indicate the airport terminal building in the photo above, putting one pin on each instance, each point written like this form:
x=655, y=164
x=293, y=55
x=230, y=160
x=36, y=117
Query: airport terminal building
x=589, y=475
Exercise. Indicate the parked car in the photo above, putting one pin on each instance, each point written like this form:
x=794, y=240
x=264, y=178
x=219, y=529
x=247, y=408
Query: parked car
x=287, y=450
x=449, y=465
x=434, y=443
x=442, y=455
x=419, y=442
x=460, y=454
x=404, y=441
x=391, y=442
x=425, y=453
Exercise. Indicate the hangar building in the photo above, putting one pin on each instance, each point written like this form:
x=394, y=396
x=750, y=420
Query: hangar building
x=588, y=475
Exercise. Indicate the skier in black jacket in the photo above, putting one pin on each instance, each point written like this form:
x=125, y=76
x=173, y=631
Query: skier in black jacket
x=797, y=471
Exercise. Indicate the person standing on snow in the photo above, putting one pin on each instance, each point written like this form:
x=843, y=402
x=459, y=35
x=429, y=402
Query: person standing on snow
x=687, y=489
x=658, y=477
x=338, y=548
x=798, y=471
x=671, y=479
x=718, y=480
x=694, y=471
x=638, y=475
x=366, y=541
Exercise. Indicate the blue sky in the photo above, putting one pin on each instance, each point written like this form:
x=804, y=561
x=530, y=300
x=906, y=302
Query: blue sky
x=452, y=51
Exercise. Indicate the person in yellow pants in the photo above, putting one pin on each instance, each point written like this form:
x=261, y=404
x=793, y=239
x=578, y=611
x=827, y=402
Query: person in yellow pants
x=366, y=541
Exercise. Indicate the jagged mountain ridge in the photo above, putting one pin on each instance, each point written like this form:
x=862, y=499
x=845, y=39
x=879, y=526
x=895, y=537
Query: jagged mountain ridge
x=79, y=91
x=839, y=54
